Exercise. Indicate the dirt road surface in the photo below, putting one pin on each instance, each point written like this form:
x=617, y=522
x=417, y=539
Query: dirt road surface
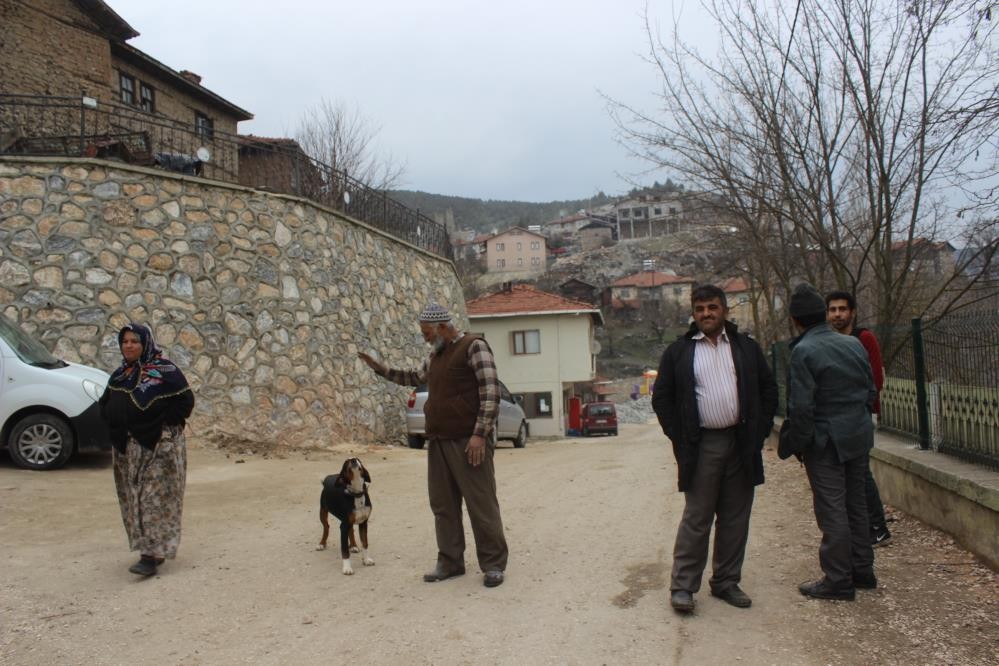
x=590, y=523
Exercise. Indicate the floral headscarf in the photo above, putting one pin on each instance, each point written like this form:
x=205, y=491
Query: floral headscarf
x=152, y=376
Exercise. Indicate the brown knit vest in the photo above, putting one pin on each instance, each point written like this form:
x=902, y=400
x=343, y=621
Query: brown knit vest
x=453, y=392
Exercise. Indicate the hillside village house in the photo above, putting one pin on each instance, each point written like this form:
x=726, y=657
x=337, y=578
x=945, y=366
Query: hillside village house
x=76, y=49
x=648, y=217
x=595, y=235
x=516, y=250
x=739, y=298
x=566, y=225
x=578, y=290
x=632, y=290
x=544, y=346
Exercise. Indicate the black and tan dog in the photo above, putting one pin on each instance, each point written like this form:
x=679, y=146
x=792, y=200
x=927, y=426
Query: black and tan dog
x=345, y=495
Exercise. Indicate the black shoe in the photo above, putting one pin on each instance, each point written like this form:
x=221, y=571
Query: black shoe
x=734, y=596
x=865, y=581
x=682, y=601
x=441, y=572
x=146, y=566
x=823, y=589
x=880, y=537
x=493, y=579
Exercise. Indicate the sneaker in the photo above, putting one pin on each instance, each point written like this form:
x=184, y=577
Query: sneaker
x=880, y=537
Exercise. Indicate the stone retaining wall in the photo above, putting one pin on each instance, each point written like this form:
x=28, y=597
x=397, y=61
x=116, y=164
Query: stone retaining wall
x=262, y=299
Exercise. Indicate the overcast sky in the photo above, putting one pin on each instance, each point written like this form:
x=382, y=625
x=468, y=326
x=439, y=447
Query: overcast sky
x=485, y=99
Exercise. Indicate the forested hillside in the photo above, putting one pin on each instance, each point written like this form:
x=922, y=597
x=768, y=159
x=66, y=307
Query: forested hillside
x=486, y=215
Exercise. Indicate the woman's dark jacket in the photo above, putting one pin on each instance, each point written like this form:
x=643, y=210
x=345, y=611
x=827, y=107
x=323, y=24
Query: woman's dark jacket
x=675, y=404
x=125, y=417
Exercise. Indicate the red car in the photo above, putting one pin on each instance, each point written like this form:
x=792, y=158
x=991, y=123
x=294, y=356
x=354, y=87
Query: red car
x=598, y=417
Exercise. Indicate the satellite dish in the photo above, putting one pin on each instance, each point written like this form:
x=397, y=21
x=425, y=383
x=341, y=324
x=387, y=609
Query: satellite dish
x=346, y=197
x=203, y=154
x=595, y=347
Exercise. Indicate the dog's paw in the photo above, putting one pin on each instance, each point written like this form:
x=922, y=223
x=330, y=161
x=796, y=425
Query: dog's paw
x=368, y=562
x=355, y=549
x=347, y=569
x=321, y=546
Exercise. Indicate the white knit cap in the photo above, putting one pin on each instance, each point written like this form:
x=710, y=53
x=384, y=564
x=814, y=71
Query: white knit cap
x=435, y=313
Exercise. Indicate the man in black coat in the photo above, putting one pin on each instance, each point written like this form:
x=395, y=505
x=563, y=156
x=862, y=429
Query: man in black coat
x=715, y=397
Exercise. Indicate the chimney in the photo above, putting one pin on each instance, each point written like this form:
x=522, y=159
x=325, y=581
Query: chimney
x=191, y=76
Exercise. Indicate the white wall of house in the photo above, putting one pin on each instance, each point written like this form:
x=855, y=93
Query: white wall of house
x=563, y=357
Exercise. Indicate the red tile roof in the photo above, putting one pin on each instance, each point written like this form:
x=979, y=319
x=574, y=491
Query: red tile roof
x=525, y=299
x=734, y=285
x=651, y=279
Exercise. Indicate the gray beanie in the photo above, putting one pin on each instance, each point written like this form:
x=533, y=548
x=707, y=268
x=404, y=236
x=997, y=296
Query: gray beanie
x=806, y=302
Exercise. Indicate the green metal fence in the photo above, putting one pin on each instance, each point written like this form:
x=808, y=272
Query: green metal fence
x=941, y=384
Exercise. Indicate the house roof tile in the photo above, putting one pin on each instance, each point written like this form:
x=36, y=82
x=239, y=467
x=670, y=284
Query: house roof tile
x=650, y=279
x=524, y=299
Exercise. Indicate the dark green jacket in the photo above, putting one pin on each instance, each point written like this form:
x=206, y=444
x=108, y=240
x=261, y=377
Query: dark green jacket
x=830, y=393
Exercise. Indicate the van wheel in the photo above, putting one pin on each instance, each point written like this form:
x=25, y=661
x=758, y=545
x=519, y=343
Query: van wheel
x=414, y=441
x=521, y=440
x=40, y=441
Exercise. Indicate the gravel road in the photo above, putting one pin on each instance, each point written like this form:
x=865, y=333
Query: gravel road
x=590, y=523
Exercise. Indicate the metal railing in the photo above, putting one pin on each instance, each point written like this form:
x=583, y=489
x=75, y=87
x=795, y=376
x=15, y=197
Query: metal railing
x=941, y=384
x=82, y=127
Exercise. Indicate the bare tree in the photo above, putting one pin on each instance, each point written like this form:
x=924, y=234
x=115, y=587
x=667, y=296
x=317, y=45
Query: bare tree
x=341, y=137
x=827, y=136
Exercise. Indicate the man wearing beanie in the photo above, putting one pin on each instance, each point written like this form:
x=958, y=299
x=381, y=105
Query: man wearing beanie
x=830, y=397
x=461, y=410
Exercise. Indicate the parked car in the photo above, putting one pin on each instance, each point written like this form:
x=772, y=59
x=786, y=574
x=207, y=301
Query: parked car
x=48, y=408
x=512, y=422
x=598, y=417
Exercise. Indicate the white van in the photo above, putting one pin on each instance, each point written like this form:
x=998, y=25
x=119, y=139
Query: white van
x=48, y=408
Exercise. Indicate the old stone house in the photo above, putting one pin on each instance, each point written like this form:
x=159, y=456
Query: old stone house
x=632, y=290
x=595, y=235
x=78, y=48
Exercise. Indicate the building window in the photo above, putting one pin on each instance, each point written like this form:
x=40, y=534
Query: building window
x=535, y=245
x=625, y=212
x=203, y=125
x=147, y=98
x=520, y=261
x=672, y=210
x=678, y=291
x=520, y=246
x=536, y=405
x=127, y=85
x=500, y=247
x=501, y=263
x=658, y=210
x=526, y=342
x=535, y=261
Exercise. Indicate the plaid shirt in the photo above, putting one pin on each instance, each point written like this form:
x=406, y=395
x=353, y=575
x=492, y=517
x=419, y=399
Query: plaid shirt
x=481, y=361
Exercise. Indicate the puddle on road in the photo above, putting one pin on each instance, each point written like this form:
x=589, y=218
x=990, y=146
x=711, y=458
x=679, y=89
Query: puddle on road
x=641, y=578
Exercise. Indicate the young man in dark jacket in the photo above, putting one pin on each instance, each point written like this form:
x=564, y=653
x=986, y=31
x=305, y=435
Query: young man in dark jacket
x=715, y=397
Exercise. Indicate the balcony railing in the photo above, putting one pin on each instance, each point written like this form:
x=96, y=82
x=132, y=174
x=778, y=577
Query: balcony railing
x=81, y=127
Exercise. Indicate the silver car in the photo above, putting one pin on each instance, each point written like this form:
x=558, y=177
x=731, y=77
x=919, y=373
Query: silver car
x=512, y=422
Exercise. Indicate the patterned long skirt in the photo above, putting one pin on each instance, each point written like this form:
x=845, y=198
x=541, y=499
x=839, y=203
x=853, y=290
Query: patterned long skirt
x=150, y=485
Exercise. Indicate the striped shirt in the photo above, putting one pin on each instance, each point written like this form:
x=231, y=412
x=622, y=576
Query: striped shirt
x=715, y=383
x=482, y=363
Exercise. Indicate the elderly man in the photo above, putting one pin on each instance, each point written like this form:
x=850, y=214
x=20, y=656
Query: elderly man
x=461, y=410
x=830, y=397
x=715, y=398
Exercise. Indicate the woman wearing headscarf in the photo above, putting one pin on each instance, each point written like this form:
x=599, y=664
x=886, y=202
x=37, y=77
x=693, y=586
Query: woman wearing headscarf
x=146, y=405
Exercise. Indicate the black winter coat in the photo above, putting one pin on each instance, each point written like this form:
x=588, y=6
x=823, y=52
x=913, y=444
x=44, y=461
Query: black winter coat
x=675, y=404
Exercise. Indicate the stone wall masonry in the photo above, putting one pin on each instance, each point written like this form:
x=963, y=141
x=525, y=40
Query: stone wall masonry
x=262, y=299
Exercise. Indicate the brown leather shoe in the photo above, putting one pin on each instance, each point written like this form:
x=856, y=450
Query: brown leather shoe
x=441, y=572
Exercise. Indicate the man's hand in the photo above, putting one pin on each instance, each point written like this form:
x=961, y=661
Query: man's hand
x=476, y=450
x=372, y=363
